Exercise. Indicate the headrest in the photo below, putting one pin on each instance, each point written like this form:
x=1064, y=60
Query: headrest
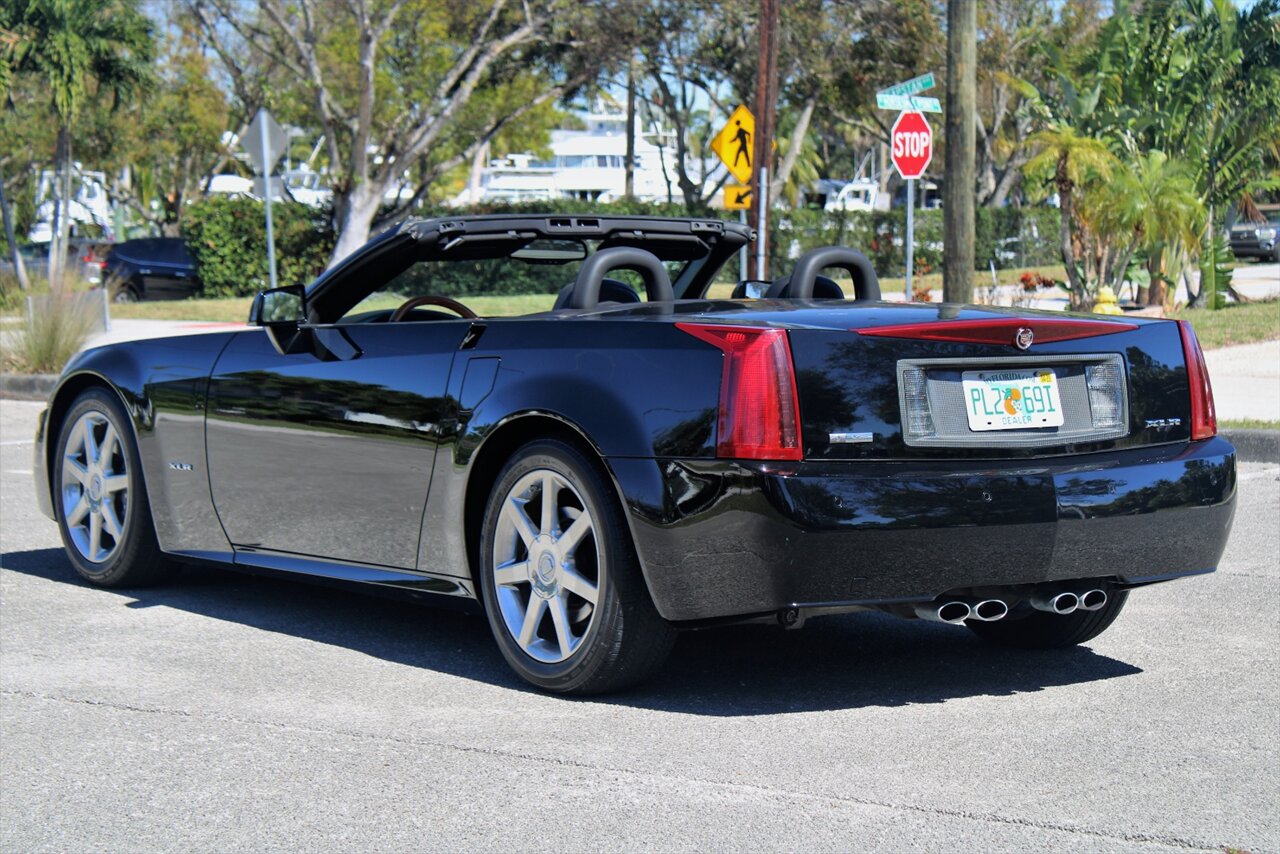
x=823, y=288
x=611, y=291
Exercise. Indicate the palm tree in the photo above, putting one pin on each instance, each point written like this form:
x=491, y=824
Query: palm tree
x=1072, y=159
x=79, y=49
x=1150, y=203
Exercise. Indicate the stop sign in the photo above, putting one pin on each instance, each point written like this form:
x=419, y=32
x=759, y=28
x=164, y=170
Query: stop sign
x=912, y=144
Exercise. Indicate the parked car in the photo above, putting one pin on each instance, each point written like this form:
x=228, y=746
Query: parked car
x=600, y=475
x=84, y=256
x=151, y=268
x=1250, y=239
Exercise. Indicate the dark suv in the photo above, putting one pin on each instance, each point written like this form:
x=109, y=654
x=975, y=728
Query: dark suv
x=151, y=268
x=1251, y=239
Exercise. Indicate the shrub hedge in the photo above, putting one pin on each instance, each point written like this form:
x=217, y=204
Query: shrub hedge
x=227, y=238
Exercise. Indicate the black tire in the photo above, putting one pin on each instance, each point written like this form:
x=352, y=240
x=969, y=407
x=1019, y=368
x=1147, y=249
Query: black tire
x=1042, y=630
x=123, y=290
x=134, y=559
x=624, y=640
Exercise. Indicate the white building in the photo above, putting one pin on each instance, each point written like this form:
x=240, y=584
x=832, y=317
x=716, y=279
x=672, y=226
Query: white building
x=585, y=164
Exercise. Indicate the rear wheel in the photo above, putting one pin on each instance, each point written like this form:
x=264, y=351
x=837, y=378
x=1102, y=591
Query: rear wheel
x=561, y=583
x=122, y=290
x=100, y=500
x=1042, y=630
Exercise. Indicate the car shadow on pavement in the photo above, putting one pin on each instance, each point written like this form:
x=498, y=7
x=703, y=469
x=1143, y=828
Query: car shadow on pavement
x=840, y=662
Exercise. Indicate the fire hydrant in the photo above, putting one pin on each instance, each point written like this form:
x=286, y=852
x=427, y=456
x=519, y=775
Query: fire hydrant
x=1107, y=302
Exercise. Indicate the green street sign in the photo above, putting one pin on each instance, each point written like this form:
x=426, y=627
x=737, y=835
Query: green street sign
x=907, y=102
x=910, y=87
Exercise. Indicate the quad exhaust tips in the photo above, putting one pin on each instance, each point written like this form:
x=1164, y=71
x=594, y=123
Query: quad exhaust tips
x=956, y=611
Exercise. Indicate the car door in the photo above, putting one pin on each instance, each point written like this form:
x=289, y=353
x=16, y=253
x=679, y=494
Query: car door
x=171, y=271
x=328, y=453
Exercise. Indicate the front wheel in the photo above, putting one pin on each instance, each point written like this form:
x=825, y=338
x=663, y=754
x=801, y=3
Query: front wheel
x=1042, y=630
x=101, y=500
x=561, y=583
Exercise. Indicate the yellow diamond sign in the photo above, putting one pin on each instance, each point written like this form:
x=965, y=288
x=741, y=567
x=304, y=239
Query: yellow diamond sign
x=735, y=144
x=737, y=197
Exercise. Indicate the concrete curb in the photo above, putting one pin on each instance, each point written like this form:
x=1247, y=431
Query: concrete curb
x=27, y=386
x=1255, y=445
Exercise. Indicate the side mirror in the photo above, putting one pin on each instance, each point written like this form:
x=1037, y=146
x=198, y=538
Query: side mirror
x=281, y=312
x=279, y=306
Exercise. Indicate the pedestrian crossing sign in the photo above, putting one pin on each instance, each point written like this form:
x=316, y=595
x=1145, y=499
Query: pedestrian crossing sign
x=735, y=144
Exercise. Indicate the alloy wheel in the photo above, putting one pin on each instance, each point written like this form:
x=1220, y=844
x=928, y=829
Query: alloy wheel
x=548, y=567
x=95, y=487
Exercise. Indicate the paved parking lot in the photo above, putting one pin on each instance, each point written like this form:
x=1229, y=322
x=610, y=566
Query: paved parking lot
x=234, y=713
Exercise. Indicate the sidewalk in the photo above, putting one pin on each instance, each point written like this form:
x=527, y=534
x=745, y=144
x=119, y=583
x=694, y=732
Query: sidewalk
x=1246, y=380
x=1252, y=281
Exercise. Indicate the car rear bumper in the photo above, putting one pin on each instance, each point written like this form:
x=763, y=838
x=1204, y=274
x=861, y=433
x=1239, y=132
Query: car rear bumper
x=722, y=539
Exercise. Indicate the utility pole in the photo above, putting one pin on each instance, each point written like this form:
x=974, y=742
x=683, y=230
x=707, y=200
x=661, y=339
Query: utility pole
x=630, y=185
x=766, y=102
x=961, y=142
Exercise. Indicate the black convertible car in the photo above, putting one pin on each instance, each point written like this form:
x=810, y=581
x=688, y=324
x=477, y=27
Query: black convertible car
x=602, y=474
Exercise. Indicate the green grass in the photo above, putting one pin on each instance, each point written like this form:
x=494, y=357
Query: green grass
x=1237, y=323
x=235, y=309
x=1248, y=424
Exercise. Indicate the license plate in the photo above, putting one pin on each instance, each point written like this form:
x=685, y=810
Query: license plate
x=1013, y=399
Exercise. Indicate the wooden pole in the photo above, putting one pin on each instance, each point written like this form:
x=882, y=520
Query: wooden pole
x=961, y=141
x=765, y=106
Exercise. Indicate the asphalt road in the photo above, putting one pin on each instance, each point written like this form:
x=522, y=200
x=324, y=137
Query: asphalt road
x=233, y=713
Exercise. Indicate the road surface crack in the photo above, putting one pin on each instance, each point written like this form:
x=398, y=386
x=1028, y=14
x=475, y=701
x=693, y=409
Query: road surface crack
x=771, y=791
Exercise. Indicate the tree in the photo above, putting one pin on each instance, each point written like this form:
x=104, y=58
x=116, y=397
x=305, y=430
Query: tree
x=1148, y=204
x=404, y=91
x=79, y=50
x=173, y=144
x=958, y=192
x=692, y=57
x=8, y=41
x=1071, y=160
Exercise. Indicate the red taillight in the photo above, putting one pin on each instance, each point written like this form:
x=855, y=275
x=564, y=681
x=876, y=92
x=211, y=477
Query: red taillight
x=1204, y=420
x=999, y=330
x=759, y=407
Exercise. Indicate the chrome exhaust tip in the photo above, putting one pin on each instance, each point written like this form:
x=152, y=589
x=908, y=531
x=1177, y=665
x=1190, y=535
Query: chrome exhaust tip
x=1093, y=600
x=988, y=610
x=951, y=611
x=1056, y=603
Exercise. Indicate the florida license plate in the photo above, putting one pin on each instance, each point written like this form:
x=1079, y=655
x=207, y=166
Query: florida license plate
x=1012, y=399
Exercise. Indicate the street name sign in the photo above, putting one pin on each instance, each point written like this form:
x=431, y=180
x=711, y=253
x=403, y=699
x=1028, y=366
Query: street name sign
x=911, y=144
x=914, y=103
x=923, y=83
x=735, y=144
